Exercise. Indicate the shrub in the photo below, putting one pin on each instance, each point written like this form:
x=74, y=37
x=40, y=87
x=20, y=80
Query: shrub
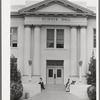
x=91, y=79
x=16, y=88
x=91, y=76
x=91, y=91
x=15, y=73
x=16, y=91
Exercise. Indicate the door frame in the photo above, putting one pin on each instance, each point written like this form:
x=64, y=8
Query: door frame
x=53, y=73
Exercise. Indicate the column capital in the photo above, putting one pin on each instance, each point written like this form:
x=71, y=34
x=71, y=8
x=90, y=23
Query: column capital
x=26, y=25
x=73, y=27
x=36, y=25
x=83, y=27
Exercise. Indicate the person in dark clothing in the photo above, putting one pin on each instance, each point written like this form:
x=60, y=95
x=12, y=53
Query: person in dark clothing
x=41, y=83
x=68, y=86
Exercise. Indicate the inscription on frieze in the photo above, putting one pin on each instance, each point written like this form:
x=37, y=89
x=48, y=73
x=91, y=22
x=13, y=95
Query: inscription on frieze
x=55, y=19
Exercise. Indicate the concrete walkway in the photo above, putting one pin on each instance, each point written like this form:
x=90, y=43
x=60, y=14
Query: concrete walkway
x=55, y=92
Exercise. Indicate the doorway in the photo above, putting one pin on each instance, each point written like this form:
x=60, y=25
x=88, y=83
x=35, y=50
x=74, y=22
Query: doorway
x=55, y=75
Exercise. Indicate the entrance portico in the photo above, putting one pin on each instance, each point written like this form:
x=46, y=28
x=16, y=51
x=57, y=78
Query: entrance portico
x=39, y=54
x=54, y=30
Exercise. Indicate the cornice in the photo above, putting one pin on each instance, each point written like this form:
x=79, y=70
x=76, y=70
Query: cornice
x=52, y=14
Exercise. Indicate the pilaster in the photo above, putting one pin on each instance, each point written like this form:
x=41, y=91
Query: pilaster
x=83, y=49
x=36, y=58
x=27, y=48
x=74, y=47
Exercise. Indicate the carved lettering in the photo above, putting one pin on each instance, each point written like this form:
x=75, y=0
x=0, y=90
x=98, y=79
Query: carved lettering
x=65, y=19
x=55, y=19
x=50, y=19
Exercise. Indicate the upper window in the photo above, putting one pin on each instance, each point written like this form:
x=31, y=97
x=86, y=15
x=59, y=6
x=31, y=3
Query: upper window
x=13, y=36
x=55, y=38
x=50, y=38
x=60, y=38
x=94, y=38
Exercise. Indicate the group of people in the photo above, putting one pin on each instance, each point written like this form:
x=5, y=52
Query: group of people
x=67, y=84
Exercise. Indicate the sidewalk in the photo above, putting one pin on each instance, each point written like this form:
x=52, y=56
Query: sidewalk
x=55, y=92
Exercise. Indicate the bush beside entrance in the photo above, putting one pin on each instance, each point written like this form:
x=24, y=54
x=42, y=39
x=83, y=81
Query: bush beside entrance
x=16, y=88
x=91, y=79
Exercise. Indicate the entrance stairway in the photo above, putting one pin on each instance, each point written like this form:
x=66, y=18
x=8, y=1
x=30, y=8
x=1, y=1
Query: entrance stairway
x=55, y=92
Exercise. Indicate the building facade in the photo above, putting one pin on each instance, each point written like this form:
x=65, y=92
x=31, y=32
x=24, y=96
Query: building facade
x=55, y=35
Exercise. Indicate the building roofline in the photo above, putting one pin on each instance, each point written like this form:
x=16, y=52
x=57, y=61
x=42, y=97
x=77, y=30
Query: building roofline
x=64, y=2
x=52, y=14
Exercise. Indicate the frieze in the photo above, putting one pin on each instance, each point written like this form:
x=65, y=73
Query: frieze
x=56, y=21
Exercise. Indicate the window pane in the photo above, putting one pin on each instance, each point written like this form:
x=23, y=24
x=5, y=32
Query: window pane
x=50, y=73
x=13, y=36
x=50, y=38
x=58, y=72
x=14, y=44
x=60, y=38
x=94, y=38
x=10, y=40
x=14, y=30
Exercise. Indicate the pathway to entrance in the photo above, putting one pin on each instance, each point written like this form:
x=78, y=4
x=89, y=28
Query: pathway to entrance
x=55, y=92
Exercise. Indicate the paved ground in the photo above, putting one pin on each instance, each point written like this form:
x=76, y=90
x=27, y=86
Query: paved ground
x=55, y=92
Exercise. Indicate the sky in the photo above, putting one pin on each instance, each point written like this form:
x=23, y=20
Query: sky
x=22, y=2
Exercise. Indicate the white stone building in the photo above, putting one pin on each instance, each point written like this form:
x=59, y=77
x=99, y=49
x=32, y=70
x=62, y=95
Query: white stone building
x=55, y=35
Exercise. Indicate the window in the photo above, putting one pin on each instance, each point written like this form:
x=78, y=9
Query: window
x=55, y=38
x=50, y=74
x=13, y=36
x=60, y=38
x=55, y=62
x=58, y=72
x=50, y=38
x=94, y=38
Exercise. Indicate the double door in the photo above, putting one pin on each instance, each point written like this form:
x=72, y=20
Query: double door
x=55, y=75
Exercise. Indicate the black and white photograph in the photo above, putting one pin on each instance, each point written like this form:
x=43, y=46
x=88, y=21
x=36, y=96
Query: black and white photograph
x=53, y=50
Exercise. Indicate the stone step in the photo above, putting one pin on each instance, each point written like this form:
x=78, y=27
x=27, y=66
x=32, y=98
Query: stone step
x=55, y=87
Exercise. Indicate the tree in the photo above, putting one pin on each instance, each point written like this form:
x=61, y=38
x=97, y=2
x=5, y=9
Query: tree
x=91, y=76
x=91, y=79
x=15, y=73
x=15, y=80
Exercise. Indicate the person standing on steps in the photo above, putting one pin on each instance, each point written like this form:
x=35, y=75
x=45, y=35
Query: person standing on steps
x=68, y=86
x=41, y=83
